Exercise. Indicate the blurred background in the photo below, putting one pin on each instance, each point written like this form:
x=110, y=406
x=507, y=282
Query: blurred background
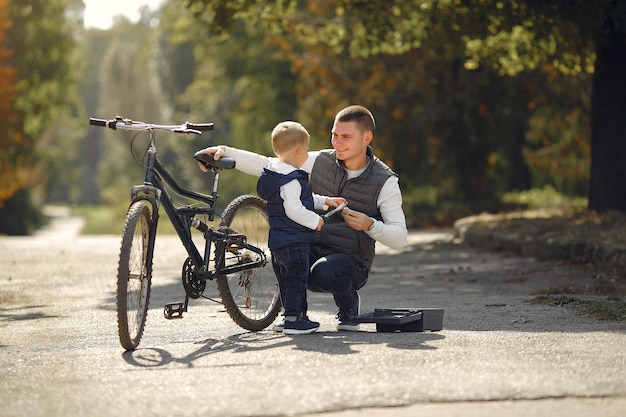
x=481, y=106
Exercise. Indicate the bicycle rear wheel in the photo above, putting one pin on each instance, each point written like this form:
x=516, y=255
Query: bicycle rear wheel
x=251, y=297
x=134, y=276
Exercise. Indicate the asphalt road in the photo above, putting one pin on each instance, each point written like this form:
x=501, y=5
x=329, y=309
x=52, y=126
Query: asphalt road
x=496, y=355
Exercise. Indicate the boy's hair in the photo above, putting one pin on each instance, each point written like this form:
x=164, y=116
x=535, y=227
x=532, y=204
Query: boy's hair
x=359, y=114
x=288, y=135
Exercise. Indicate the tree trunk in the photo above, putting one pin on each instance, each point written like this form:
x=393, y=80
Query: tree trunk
x=607, y=190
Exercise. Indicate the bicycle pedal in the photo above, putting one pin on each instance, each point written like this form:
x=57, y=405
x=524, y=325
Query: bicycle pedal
x=173, y=311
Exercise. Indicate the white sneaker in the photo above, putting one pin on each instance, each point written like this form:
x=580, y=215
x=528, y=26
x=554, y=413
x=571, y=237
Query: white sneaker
x=348, y=326
x=279, y=326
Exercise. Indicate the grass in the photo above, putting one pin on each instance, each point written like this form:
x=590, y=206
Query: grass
x=101, y=220
x=109, y=220
x=543, y=198
x=610, y=309
x=613, y=309
x=561, y=289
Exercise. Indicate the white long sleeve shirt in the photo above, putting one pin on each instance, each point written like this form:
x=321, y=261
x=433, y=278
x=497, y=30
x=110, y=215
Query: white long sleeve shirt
x=290, y=193
x=391, y=231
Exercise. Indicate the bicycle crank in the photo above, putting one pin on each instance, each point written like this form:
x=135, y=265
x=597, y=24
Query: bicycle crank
x=194, y=286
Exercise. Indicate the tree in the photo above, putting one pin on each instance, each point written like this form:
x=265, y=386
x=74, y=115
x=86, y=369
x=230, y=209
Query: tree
x=510, y=37
x=13, y=170
x=129, y=64
x=37, y=40
x=608, y=125
x=239, y=83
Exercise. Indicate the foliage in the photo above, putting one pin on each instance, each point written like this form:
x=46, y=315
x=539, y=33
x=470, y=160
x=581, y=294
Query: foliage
x=491, y=36
x=42, y=37
x=167, y=74
x=128, y=63
x=448, y=119
x=37, y=58
x=509, y=36
x=444, y=117
x=239, y=83
x=13, y=166
x=473, y=98
x=19, y=215
x=545, y=197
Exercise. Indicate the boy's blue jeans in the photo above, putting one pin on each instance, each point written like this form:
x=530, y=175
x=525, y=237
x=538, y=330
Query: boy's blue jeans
x=291, y=266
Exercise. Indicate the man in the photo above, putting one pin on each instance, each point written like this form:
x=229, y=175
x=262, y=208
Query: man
x=343, y=251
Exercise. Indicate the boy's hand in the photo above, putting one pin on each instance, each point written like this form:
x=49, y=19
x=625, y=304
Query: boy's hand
x=216, y=151
x=320, y=224
x=335, y=201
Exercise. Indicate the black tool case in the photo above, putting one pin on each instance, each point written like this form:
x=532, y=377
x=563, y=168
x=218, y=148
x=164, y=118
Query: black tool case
x=403, y=319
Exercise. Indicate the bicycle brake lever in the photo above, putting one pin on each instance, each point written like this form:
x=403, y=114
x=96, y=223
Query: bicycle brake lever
x=195, y=132
x=126, y=121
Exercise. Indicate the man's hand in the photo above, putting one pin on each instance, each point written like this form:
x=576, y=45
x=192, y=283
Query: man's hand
x=356, y=219
x=216, y=151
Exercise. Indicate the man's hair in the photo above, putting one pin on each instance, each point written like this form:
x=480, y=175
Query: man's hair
x=359, y=114
x=288, y=135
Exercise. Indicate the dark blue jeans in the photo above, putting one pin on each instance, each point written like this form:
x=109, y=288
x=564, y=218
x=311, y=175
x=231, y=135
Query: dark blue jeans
x=340, y=275
x=291, y=266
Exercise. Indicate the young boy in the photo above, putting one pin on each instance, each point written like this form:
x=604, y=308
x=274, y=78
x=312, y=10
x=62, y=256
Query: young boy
x=290, y=205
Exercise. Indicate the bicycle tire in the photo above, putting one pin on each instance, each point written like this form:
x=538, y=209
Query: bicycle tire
x=251, y=298
x=134, y=276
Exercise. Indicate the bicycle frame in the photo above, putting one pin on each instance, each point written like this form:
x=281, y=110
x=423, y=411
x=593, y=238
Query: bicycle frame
x=154, y=191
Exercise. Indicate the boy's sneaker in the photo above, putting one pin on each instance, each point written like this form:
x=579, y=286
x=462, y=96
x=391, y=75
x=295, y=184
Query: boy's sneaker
x=302, y=325
x=345, y=316
x=279, y=326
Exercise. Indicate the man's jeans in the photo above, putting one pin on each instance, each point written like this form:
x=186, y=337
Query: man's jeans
x=291, y=266
x=340, y=275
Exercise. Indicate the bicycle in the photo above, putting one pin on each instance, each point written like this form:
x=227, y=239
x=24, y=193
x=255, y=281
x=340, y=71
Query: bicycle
x=235, y=254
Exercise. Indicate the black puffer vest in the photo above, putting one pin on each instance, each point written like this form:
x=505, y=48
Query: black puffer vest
x=328, y=177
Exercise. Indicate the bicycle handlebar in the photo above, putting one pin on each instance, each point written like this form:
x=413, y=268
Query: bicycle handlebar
x=103, y=123
x=200, y=126
x=128, y=124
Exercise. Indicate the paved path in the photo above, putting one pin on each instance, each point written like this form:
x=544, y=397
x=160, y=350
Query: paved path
x=497, y=355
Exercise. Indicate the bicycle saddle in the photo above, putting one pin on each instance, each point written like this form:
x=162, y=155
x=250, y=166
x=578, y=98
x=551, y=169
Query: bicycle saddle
x=208, y=161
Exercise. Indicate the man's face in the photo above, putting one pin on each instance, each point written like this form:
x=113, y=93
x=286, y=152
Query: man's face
x=348, y=141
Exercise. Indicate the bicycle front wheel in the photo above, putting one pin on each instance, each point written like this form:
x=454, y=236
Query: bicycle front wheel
x=134, y=276
x=251, y=297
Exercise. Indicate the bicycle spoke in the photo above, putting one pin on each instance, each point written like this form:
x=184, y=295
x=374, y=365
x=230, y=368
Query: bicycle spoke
x=251, y=297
